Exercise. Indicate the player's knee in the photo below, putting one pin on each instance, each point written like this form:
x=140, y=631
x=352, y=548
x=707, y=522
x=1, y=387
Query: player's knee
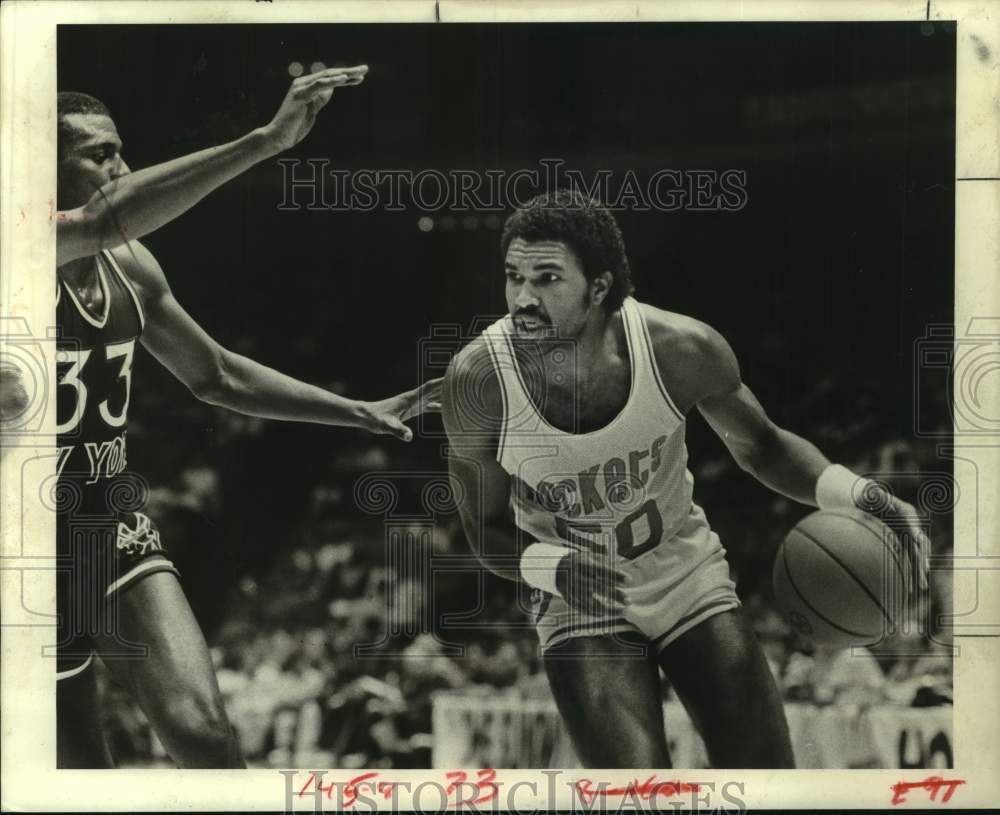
x=201, y=728
x=210, y=728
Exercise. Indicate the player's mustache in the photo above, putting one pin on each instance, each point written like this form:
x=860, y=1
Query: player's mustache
x=530, y=314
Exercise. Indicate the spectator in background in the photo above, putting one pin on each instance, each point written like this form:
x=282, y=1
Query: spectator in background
x=847, y=676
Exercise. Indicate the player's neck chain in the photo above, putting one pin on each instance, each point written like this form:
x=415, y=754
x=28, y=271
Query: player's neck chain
x=90, y=296
x=87, y=287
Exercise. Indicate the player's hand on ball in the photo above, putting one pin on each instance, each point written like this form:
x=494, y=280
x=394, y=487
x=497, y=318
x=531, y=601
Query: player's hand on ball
x=387, y=416
x=306, y=97
x=591, y=583
x=903, y=519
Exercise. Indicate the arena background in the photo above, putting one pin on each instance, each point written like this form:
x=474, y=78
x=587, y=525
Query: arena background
x=824, y=283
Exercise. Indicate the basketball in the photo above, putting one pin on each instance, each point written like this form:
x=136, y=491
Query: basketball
x=839, y=578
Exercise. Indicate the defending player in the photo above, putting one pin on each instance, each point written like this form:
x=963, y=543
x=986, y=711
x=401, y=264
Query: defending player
x=566, y=425
x=118, y=592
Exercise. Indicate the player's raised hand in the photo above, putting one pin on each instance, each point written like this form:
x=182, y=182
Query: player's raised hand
x=591, y=583
x=305, y=99
x=388, y=415
x=900, y=516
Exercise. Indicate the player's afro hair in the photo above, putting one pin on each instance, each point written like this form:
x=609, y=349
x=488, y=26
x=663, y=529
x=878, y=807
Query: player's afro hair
x=70, y=102
x=585, y=226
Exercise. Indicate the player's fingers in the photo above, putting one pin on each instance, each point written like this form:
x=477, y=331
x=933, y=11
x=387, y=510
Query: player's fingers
x=352, y=72
x=424, y=399
x=430, y=391
x=396, y=428
x=607, y=606
x=914, y=561
x=431, y=386
x=317, y=83
x=905, y=550
x=592, y=604
x=607, y=584
x=313, y=88
x=603, y=570
x=320, y=84
x=912, y=541
x=923, y=554
x=322, y=76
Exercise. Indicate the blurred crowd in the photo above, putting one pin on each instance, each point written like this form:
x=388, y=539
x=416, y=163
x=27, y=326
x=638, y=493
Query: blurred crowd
x=311, y=676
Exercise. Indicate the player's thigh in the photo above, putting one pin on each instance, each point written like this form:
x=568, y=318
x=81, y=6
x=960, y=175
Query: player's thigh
x=80, y=740
x=608, y=692
x=175, y=678
x=719, y=671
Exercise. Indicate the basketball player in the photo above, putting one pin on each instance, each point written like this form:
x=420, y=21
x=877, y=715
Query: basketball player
x=118, y=592
x=566, y=425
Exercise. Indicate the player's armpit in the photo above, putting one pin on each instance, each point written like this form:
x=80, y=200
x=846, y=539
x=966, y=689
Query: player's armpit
x=81, y=233
x=170, y=334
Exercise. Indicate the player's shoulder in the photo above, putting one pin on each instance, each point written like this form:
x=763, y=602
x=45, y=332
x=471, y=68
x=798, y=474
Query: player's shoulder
x=469, y=360
x=692, y=356
x=681, y=335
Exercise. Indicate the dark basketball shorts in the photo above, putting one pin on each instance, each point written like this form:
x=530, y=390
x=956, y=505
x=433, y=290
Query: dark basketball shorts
x=102, y=551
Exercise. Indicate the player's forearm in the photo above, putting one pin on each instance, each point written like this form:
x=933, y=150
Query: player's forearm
x=248, y=387
x=788, y=464
x=139, y=203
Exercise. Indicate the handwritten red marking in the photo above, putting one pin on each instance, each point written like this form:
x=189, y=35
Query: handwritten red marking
x=354, y=785
x=351, y=788
x=52, y=209
x=646, y=790
x=932, y=784
x=386, y=788
x=320, y=787
x=484, y=787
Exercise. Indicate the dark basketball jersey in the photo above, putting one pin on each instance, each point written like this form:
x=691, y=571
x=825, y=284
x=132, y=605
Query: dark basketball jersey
x=104, y=543
x=94, y=369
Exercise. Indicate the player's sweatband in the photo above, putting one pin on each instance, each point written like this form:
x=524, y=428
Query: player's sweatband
x=839, y=488
x=539, y=562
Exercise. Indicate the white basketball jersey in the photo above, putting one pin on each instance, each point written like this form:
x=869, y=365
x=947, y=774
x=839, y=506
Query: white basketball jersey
x=624, y=488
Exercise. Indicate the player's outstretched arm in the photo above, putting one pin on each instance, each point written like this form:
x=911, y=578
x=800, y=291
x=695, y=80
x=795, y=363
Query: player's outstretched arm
x=138, y=203
x=786, y=462
x=472, y=413
x=220, y=377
